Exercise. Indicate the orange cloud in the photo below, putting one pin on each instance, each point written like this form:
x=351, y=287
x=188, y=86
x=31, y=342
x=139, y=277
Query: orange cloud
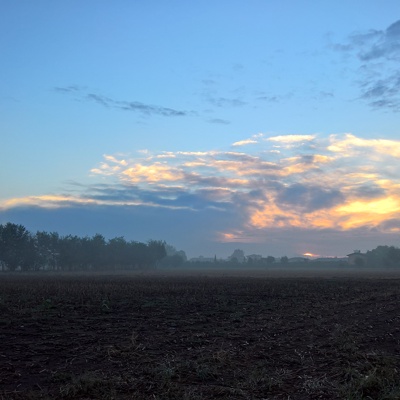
x=153, y=173
x=347, y=145
x=341, y=187
x=353, y=214
x=48, y=201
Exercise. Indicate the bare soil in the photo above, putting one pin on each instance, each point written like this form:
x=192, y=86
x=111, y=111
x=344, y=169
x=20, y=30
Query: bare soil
x=201, y=335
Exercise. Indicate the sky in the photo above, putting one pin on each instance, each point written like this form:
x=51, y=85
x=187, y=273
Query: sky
x=270, y=126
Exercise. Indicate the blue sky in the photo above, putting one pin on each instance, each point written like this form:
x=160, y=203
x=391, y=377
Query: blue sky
x=271, y=126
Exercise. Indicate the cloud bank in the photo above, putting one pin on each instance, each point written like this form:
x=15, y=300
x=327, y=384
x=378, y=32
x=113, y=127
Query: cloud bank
x=298, y=183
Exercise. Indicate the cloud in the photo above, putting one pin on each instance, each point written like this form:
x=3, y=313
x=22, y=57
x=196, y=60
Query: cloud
x=226, y=102
x=378, y=52
x=392, y=225
x=244, y=142
x=383, y=93
x=374, y=44
x=350, y=145
x=341, y=183
x=134, y=106
x=254, y=139
x=219, y=121
x=379, y=44
x=325, y=95
x=309, y=198
x=369, y=191
x=291, y=138
x=149, y=109
x=269, y=99
x=272, y=98
x=68, y=89
x=139, y=223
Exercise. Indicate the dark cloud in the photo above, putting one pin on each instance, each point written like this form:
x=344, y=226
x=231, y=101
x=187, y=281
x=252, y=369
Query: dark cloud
x=272, y=98
x=116, y=193
x=103, y=101
x=200, y=201
x=160, y=196
x=308, y=158
x=309, y=198
x=384, y=44
x=135, y=106
x=219, y=121
x=269, y=99
x=379, y=53
x=325, y=95
x=68, y=89
x=194, y=179
x=374, y=44
x=185, y=229
x=193, y=231
x=225, y=102
x=247, y=158
x=149, y=109
x=383, y=93
x=208, y=82
x=369, y=191
x=392, y=224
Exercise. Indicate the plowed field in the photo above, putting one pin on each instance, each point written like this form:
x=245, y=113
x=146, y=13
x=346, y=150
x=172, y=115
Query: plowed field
x=199, y=336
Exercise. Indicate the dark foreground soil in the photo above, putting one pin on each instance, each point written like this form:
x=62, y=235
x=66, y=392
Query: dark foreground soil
x=199, y=337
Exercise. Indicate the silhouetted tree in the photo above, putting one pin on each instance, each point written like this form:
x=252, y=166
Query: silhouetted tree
x=14, y=245
x=30, y=258
x=156, y=252
x=384, y=256
x=20, y=249
x=173, y=258
x=139, y=255
x=359, y=262
x=96, y=251
x=70, y=248
x=47, y=248
x=237, y=256
x=116, y=252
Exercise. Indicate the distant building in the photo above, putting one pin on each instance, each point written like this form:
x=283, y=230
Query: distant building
x=357, y=258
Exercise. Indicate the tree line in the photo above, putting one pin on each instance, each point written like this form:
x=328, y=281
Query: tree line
x=21, y=249
x=383, y=256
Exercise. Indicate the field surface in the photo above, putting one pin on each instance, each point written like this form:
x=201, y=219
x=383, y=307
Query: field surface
x=200, y=335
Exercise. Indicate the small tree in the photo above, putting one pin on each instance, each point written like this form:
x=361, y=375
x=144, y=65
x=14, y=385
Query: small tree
x=156, y=252
x=47, y=248
x=237, y=256
x=15, y=248
x=284, y=260
x=271, y=260
x=174, y=261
